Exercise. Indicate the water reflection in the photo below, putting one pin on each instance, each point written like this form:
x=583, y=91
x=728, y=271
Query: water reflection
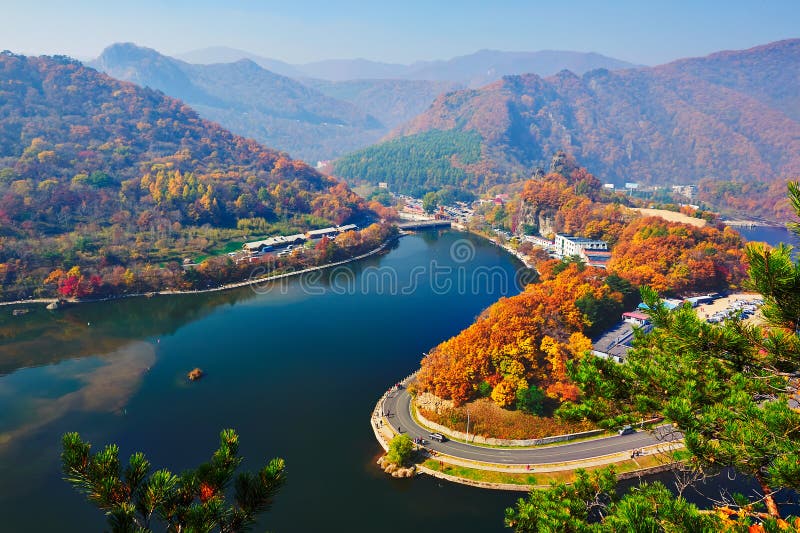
x=101, y=384
x=44, y=337
x=288, y=370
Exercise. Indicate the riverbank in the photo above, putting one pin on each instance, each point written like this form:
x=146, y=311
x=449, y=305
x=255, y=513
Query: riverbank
x=224, y=287
x=494, y=240
x=255, y=351
x=741, y=223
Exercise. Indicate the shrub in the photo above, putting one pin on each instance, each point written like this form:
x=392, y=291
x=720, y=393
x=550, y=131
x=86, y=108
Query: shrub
x=400, y=450
x=531, y=400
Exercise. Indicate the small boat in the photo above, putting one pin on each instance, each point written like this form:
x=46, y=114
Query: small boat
x=195, y=374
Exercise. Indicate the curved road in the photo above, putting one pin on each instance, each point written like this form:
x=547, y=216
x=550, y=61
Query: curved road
x=398, y=404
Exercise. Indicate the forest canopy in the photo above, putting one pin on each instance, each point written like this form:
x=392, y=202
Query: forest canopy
x=96, y=173
x=416, y=164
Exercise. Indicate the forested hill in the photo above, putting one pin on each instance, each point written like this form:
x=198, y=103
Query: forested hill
x=95, y=170
x=67, y=131
x=768, y=73
x=251, y=101
x=728, y=116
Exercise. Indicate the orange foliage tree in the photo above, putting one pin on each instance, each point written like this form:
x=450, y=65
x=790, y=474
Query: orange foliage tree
x=519, y=341
x=676, y=257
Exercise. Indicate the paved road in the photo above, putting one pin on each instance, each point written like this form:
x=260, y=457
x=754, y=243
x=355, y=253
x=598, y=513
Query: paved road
x=398, y=404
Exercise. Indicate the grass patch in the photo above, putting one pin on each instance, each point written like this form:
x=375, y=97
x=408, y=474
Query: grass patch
x=501, y=446
x=487, y=476
x=488, y=419
x=232, y=246
x=545, y=478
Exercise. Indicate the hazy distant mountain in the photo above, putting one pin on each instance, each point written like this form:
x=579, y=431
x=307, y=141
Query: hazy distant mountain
x=473, y=70
x=251, y=101
x=223, y=54
x=393, y=102
x=313, y=117
x=730, y=116
x=351, y=69
x=486, y=66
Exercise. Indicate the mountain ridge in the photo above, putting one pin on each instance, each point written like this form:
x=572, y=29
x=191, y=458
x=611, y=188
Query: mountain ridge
x=106, y=176
x=468, y=69
x=250, y=100
x=223, y=54
x=682, y=122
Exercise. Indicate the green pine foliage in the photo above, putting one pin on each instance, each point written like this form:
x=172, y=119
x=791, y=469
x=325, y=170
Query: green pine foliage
x=730, y=389
x=591, y=504
x=415, y=164
x=531, y=400
x=136, y=499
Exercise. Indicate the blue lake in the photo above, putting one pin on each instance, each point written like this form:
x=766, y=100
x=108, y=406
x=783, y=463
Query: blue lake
x=295, y=367
x=296, y=370
x=770, y=235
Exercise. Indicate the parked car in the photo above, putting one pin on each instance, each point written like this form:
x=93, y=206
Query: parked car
x=626, y=430
x=438, y=437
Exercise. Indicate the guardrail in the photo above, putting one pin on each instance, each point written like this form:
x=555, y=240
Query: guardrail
x=458, y=435
x=379, y=411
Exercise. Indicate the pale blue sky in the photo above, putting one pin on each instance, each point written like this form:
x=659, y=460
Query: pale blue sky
x=645, y=31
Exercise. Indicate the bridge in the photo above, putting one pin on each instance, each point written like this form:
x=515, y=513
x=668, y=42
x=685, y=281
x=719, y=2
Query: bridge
x=424, y=224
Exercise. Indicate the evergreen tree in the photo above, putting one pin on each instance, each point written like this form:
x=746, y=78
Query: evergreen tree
x=136, y=499
x=591, y=504
x=730, y=389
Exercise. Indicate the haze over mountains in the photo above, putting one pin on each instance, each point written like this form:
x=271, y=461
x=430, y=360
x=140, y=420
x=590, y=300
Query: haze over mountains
x=320, y=110
x=472, y=70
x=393, y=102
x=731, y=115
x=223, y=54
x=251, y=101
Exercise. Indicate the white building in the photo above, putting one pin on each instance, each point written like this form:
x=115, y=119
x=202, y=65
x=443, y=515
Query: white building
x=274, y=242
x=566, y=245
x=687, y=191
x=541, y=242
x=286, y=240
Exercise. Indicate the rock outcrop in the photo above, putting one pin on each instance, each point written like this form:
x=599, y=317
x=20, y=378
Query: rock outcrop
x=394, y=470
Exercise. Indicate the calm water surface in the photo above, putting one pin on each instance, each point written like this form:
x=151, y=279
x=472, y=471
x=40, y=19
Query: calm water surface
x=772, y=236
x=297, y=374
x=296, y=370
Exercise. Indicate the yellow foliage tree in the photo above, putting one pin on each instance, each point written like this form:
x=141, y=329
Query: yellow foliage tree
x=505, y=393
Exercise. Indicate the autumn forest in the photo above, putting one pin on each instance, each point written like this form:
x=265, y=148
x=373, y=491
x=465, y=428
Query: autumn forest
x=207, y=233
x=118, y=185
x=525, y=344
